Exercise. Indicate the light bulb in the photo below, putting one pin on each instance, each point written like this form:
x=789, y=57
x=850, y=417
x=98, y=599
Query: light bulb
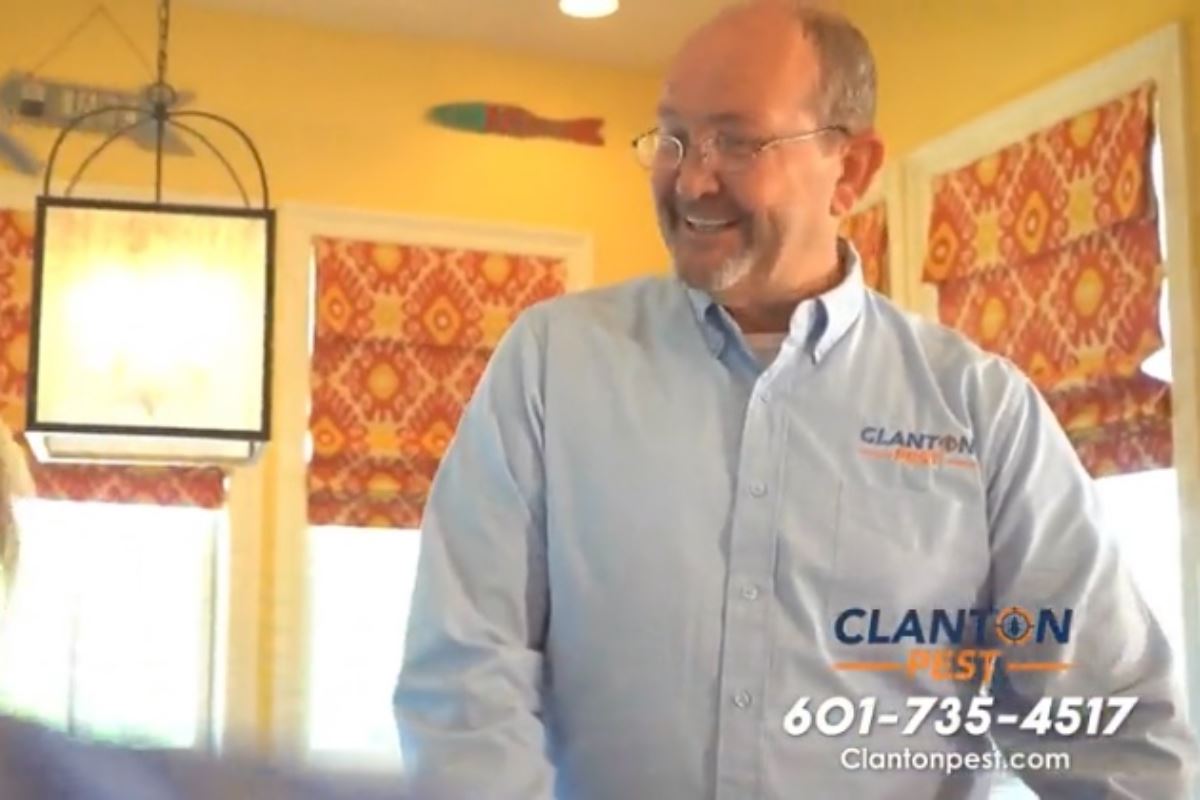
x=588, y=9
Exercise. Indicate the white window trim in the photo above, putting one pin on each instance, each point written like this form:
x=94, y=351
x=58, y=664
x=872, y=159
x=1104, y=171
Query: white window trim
x=297, y=226
x=1158, y=58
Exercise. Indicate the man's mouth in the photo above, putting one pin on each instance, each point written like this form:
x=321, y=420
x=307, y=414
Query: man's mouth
x=705, y=224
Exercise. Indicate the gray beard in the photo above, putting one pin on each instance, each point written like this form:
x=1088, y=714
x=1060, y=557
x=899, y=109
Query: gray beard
x=732, y=272
x=729, y=274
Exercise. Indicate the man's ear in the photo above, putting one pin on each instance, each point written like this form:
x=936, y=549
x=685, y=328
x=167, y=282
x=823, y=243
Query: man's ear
x=862, y=158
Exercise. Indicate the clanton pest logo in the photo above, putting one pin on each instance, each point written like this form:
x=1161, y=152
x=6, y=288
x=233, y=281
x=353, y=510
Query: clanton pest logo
x=917, y=449
x=954, y=644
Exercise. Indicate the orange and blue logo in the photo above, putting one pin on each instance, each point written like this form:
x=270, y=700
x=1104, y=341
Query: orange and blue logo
x=917, y=449
x=955, y=644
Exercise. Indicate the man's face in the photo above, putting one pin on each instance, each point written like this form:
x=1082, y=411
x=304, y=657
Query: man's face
x=729, y=226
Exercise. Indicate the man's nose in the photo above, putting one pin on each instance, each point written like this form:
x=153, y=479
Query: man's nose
x=696, y=176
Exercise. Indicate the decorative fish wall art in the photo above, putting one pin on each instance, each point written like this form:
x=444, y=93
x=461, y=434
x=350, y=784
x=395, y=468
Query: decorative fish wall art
x=509, y=120
x=31, y=100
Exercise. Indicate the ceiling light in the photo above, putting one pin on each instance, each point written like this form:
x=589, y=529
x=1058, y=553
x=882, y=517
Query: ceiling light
x=588, y=9
x=151, y=321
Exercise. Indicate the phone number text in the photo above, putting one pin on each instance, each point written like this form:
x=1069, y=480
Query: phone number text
x=950, y=716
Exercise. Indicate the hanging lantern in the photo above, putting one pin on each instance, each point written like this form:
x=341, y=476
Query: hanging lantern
x=151, y=321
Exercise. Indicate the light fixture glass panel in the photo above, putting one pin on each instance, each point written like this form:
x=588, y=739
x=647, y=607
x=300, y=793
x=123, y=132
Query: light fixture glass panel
x=152, y=319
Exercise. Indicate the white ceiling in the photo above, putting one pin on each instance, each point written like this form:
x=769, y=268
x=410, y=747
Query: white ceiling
x=642, y=34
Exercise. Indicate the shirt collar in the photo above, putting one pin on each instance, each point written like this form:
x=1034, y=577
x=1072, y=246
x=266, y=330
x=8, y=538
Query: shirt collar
x=817, y=323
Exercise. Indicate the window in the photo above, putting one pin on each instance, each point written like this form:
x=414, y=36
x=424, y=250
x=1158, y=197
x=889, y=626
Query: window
x=1158, y=365
x=109, y=628
x=1141, y=511
x=360, y=584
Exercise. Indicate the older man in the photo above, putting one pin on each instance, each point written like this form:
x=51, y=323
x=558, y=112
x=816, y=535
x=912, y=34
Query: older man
x=664, y=560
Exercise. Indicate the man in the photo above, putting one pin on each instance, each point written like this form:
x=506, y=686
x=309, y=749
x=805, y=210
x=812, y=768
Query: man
x=659, y=530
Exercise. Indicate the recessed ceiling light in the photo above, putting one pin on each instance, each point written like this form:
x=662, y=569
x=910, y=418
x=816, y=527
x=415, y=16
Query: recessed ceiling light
x=588, y=9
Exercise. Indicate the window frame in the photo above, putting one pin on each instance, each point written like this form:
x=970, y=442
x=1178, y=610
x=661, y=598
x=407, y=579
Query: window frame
x=1157, y=57
x=288, y=629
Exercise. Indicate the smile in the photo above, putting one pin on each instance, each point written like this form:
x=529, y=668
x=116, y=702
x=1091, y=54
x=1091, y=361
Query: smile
x=706, y=225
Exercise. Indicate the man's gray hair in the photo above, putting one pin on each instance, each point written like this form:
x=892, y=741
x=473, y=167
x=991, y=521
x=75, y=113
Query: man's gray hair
x=846, y=92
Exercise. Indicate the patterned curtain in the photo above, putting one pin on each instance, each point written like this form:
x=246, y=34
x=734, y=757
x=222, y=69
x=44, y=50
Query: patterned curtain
x=402, y=336
x=1048, y=253
x=868, y=232
x=156, y=486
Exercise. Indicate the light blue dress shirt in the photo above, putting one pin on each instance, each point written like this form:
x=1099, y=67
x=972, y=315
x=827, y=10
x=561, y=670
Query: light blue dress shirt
x=639, y=541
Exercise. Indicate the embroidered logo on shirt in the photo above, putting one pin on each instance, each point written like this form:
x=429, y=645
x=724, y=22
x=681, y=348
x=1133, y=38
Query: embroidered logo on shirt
x=917, y=449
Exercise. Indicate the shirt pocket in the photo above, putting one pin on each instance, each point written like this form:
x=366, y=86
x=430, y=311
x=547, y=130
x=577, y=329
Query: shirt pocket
x=911, y=546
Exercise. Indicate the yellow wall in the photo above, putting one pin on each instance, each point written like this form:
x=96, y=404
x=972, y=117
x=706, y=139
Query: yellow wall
x=339, y=119
x=338, y=115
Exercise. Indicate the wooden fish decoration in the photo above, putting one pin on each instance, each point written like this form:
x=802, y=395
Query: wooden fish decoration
x=53, y=104
x=508, y=120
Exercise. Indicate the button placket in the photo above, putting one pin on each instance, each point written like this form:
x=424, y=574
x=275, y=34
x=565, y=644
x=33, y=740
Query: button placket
x=745, y=654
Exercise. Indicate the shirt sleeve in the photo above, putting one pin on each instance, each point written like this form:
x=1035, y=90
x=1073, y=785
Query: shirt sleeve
x=469, y=699
x=1049, y=551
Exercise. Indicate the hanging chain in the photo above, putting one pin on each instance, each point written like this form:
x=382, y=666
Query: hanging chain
x=102, y=14
x=164, y=28
x=165, y=95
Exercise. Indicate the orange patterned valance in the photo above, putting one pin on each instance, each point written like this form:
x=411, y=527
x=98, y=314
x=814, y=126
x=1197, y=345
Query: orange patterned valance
x=1048, y=253
x=1072, y=316
x=156, y=486
x=1083, y=175
x=403, y=333
x=867, y=230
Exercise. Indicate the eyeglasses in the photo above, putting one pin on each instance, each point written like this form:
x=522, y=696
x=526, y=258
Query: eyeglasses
x=727, y=153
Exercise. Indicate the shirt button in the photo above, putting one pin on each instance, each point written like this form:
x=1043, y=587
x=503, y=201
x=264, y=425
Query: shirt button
x=742, y=699
x=758, y=489
x=764, y=397
x=750, y=592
